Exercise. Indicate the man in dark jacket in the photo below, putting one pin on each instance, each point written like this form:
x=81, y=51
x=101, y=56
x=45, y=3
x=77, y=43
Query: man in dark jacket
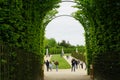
x=73, y=64
x=47, y=65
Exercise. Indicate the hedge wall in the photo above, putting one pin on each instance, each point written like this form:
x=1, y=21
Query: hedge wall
x=101, y=23
x=55, y=50
x=21, y=27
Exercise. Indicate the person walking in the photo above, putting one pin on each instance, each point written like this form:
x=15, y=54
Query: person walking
x=81, y=64
x=73, y=65
x=76, y=64
x=50, y=66
x=47, y=65
x=56, y=65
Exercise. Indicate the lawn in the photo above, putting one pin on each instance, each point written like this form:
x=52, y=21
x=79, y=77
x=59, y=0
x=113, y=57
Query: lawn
x=63, y=64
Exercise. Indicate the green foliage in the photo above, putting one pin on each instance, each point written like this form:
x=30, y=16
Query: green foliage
x=51, y=43
x=100, y=21
x=79, y=56
x=55, y=48
x=58, y=50
x=22, y=26
x=49, y=16
x=64, y=44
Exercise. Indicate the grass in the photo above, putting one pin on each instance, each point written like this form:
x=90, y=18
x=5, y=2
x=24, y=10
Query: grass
x=63, y=64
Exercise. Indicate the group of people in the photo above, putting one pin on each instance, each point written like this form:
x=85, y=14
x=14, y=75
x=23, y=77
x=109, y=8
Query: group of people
x=50, y=64
x=76, y=64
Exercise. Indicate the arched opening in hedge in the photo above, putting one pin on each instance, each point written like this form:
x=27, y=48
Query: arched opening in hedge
x=59, y=22
x=22, y=28
x=64, y=21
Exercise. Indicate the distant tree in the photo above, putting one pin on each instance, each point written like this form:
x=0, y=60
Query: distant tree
x=65, y=44
x=50, y=43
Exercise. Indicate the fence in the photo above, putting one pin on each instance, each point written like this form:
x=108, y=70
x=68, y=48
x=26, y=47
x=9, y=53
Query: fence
x=18, y=64
x=91, y=72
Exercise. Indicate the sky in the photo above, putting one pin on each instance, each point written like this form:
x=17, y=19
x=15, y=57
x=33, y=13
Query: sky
x=65, y=27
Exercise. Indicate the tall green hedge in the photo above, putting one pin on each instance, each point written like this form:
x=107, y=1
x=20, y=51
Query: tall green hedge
x=101, y=23
x=55, y=50
x=21, y=27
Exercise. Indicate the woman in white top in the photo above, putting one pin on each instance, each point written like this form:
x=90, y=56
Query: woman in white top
x=50, y=66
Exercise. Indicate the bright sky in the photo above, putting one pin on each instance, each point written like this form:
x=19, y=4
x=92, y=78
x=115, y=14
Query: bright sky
x=65, y=27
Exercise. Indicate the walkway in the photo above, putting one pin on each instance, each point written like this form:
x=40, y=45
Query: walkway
x=65, y=74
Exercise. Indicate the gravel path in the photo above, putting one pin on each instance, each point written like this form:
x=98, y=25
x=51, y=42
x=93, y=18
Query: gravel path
x=65, y=74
